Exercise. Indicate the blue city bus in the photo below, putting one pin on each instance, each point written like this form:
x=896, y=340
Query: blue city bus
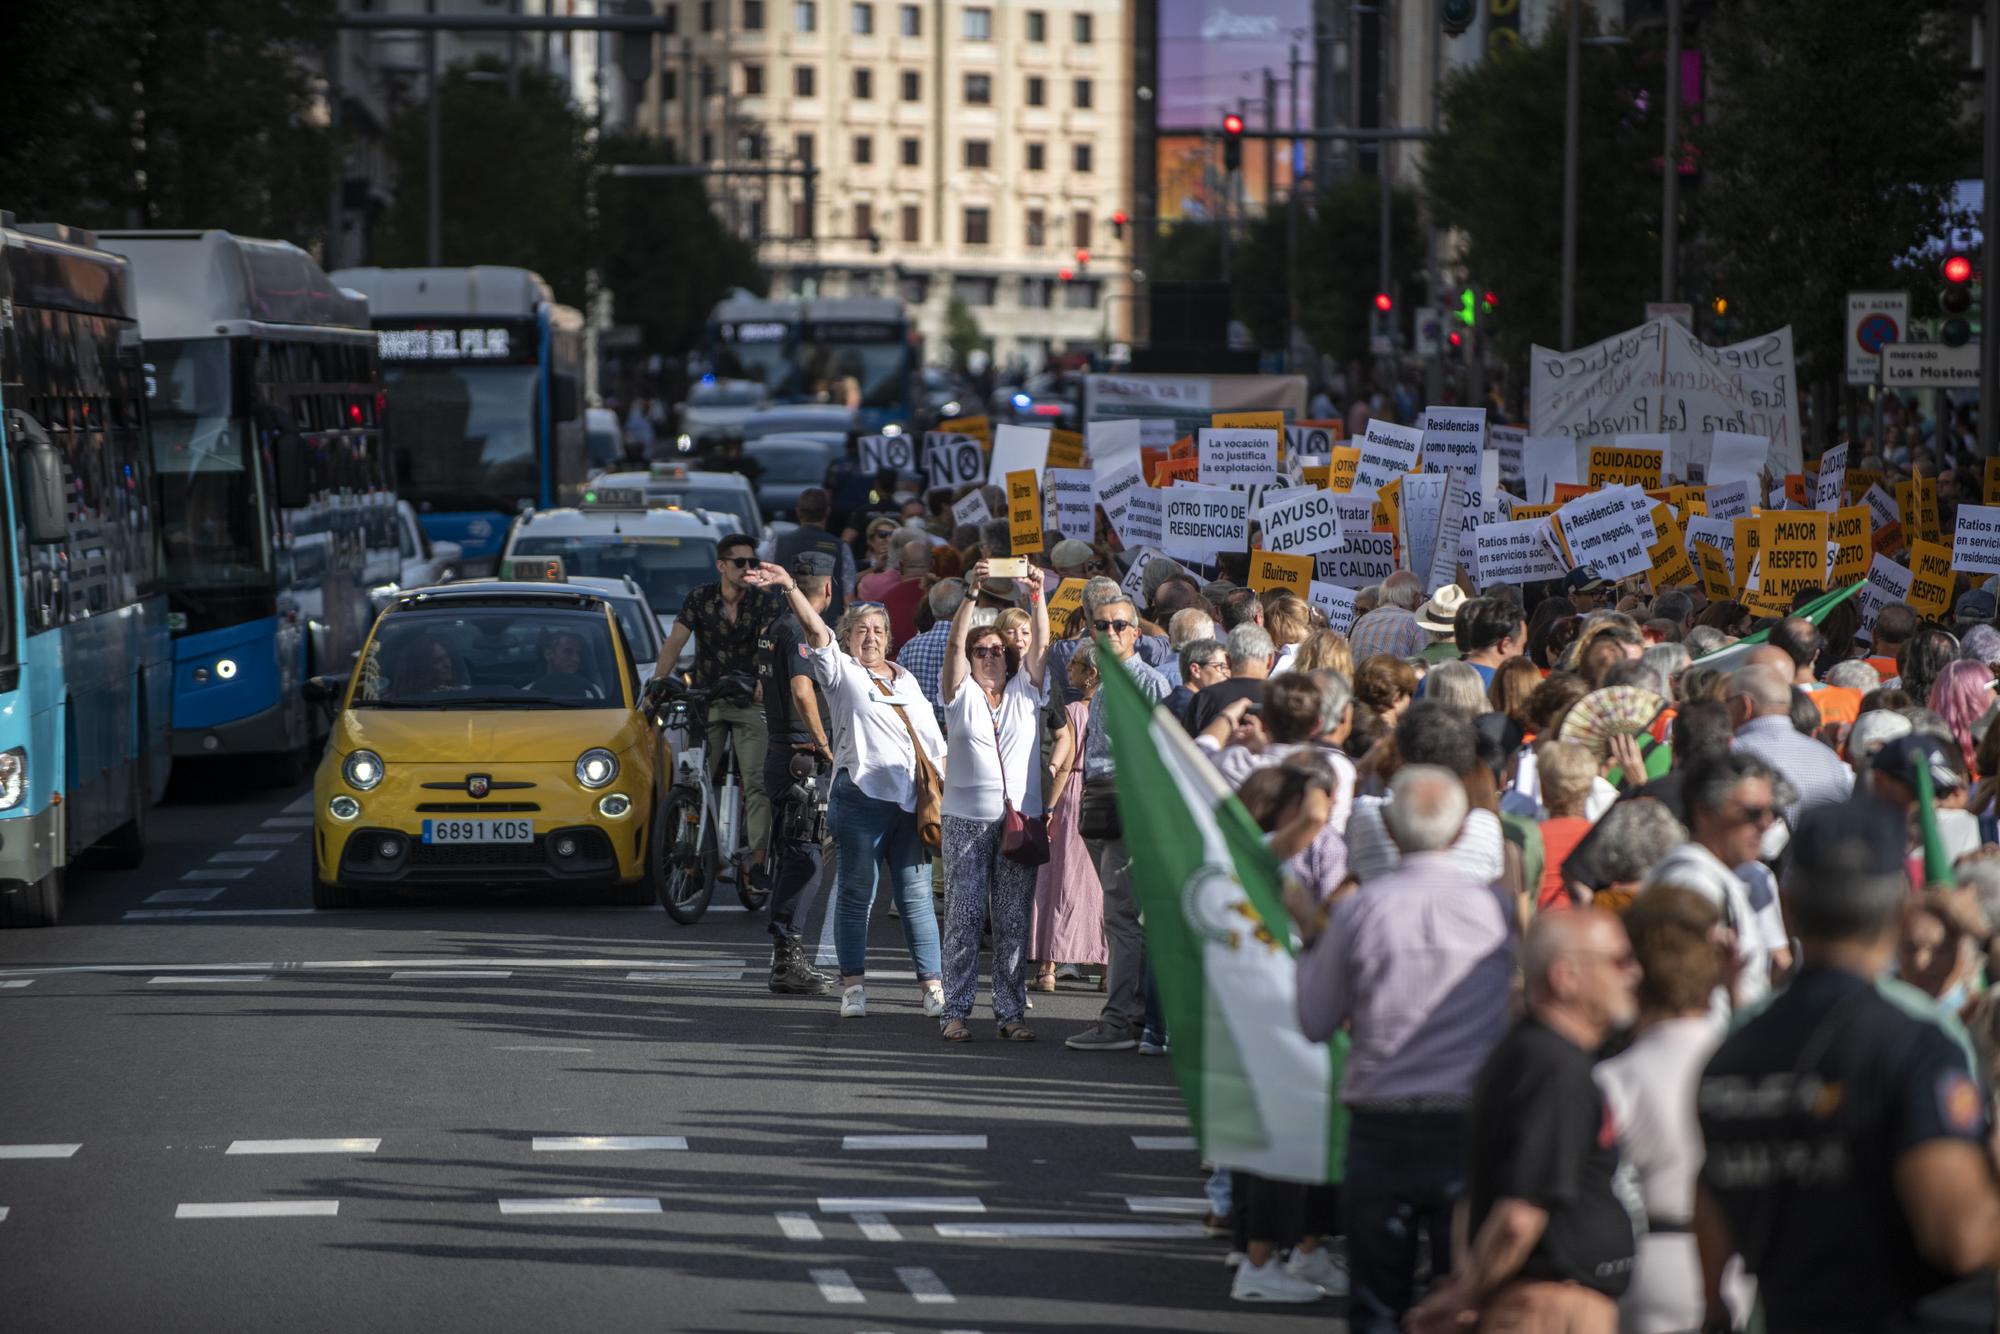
x=858, y=350
x=276, y=505
x=482, y=371
x=85, y=664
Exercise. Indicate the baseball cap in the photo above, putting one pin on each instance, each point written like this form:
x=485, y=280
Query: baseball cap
x=1070, y=553
x=1847, y=862
x=1900, y=757
x=810, y=563
x=1976, y=605
x=1582, y=580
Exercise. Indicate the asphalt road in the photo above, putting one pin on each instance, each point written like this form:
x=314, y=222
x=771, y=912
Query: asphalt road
x=221, y=1110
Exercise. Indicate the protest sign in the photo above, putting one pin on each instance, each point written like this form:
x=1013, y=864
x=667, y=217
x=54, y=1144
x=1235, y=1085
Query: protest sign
x=1621, y=465
x=1315, y=474
x=1420, y=504
x=1673, y=457
x=1930, y=579
x=1144, y=518
x=1113, y=444
x=1516, y=552
x=1388, y=451
x=1017, y=449
x=1341, y=466
x=1792, y=548
x=1114, y=489
x=1072, y=496
x=1827, y=491
x=895, y=452
x=1336, y=602
x=1604, y=531
x=1547, y=461
x=979, y=428
x=1668, y=552
x=953, y=459
x=1307, y=522
x=1732, y=500
x=1024, y=512
x=1249, y=421
x=1733, y=456
x=1065, y=600
x=1850, y=532
x=1311, y=437
x=1237, y=457
x=1917, y=502
x=1745, y=555
x=1508, y=442
x=1454, y=439
x=1065, y=449
x=1169, y=471
x=1133, y=585
x=1366, y=558
x=1975, y=546
x=1716, y=583
x=1718, y=533
x=973, y=509
x=1888, y=583
x=1882, y=508
x=1270, y=569
x=1200, y=521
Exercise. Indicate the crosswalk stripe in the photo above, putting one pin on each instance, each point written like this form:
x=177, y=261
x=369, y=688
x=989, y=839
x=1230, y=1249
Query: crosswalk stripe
x=216, y=873
x=1086, y=1231
x=584, y=1204
x=799, y=1227
x=199, y=979
x=877, y=1227
x=19, y=982
x=606, y=1143
x=268, y=840
x=273, y=1146
x=1166, y=1204
x=261, y=1209
x=901, y=1204
x=836, y=1286
x=862, y=1142
x=185, y=895
x=1163, y=1143
x=926, y=1286
x=434, y=974
x=38, y=1150
x=242, y=855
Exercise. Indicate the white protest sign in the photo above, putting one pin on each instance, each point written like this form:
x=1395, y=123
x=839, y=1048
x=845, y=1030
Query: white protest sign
x=1336, y=602
x=1387, y=452
x=1882, y=509
x=1718, y=533
x=1201, y=521
x=1017, y=449
x=1302, y=522
x=1515, y=552
x=1233, y=456
x=1112, y=444
x=1114, y=490
x=897, y=452
x=1309, y=440
x=1451, y=524
x=1888, y=583
x=1832, y=477
x=1606, y=534
x=1734, y=500
x=1733, y=455
x=1158, y=432
x=1420, y=504
x=1546, y=461
x=973, y=509
x=952, y=459
x=1367, y=557
x=1509, y=441
x=1975, y=546
x=1072, y=494
x=1454, y=439
x=1144, y=516
x=1133, y=585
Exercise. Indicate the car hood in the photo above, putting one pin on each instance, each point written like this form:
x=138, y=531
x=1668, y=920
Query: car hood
x=478, y=736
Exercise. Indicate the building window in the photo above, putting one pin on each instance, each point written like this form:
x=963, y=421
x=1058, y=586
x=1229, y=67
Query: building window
x=753, y=145
x=708, y=152
x=1080, y=158
x=803, y=81
x=911, y=21
x=802, y=147
x=913, y=86
x=1038, y=26
x=864, y=150
x=978, y=89
x=1035, y=227
x=974, y=291
x=1080, y=294
x=912, y=153
x=1036, y=158
x=976, y=226
x=914, y=288
x=864, y=84
x=753, y=80
x=802, y=223
x=864, y=222
x=805, y=16
x=864, y=20
x=1080, y=95
x=670, y=85
x=708, y=15
x=672, y=15
x=978, y=25
x=1079, y=229
x=1035, y=293
x=1037, y=90
x=912, y=227
x=1079, y=29
x=708, y=81
x=753, y=15
x=755, y=220
x=978, y=153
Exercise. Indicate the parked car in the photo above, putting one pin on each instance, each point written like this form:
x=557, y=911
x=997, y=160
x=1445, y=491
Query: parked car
x=791, y=463
x=716, y=410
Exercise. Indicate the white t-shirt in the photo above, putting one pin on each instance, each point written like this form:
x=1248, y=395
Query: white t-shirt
x=871, y=745
x=972, y=772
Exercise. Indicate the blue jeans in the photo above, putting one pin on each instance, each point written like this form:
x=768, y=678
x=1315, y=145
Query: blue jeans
x=867, y=831
x=1404, y=1173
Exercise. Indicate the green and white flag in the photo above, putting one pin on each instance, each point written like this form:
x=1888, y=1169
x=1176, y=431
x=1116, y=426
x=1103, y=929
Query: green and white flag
x=1730, y=657
x=1219, y=941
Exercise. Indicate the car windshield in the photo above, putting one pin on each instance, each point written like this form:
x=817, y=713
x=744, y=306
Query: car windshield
x=211, y=500
x=666, y=569
x=726, y=396
x=738, y=505
x=491, y=657
x=790, y=463
x=780, y=423
x=464, y=435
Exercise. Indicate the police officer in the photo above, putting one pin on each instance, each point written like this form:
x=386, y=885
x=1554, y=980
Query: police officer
x=1846, y=1130
x=812, y=536
x=796, y=727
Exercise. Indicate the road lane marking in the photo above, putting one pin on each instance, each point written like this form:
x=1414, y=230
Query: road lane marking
x=217, y=873
x=3, y=1213
x=250, y=1146
x=926, y=1286
x=253, y=839
x=606, y=1143
x=242, y=856
x=799, y=1227
x=186, y=895
x=169, y=914
x=683, y=977
x=537, y=1047
x=1097, y=1231
x=584, y=1204
x=901, y=1204
x=341, y=964
x=435, y=974
x=202, y=979
x=289, y=822
x=300, y=804
x=836, y=1286
x=38, y=1150
x=877, y=1227
x=1163, y=1143
x=1166, y=1204
x=864, y=1142
x=261, y=1209
x=19, y=982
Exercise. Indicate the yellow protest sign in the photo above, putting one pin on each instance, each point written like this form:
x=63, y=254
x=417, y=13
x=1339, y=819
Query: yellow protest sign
x=1746, y=548
x=1715, y=580
x=1269, y=570
x=1668, y=553
x=1851, y=525
x=1792, y=544
x=1860, y=479
x=1316, y=474
x=1991, y=494
x=974, y=426
x=1024, y=512
x=1065, y=600
x=1696, y=503
x=1930, y=578
x=1615, y=465
x=1341, y=466
x=1065, y=449
x=1388, y=503
x=1250, y=421
x=1534, y=511
x=1917, y=502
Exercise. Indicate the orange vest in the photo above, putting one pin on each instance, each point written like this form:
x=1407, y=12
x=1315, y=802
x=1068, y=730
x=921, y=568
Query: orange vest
x=1836, y=704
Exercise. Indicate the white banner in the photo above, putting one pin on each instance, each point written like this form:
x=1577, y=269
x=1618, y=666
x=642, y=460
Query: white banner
x=1607, y=533
x=1144, y=517
x=1114, y=491
x=1302, y=522
x=1201, y=521
x=1732, y=500
x=1112, y=444
x=1546, y=461
x=1017, y=449
x=1072, y=498
x=952, y=459
x=1515, y=552
x=1454, y=438
x=1233, y=456
x=888, y=451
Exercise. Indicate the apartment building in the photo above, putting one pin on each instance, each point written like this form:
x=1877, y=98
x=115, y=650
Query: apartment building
x=976, y=150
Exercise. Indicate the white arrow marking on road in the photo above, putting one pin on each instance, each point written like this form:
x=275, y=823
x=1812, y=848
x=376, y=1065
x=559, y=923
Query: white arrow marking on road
x=1100, y=1231
x=261, y=1209
x=863, y=1142
x=584, y=1204
x=901, y=1204
x=38, y=1150
x=799, y=1227
x=1166, y=1204
x=243, y=1146
x=877, y=1227
x=1163, y=1143
x=836, y=1286
x=606, y=1143
x=926, y=1286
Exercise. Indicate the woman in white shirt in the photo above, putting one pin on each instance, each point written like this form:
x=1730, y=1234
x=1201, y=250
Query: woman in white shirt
x=992, y=694
x=880, y=717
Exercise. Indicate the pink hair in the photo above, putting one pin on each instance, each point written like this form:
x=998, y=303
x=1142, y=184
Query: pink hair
x=1962, y=695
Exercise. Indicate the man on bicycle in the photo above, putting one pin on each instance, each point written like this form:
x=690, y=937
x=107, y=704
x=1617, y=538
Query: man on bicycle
x=726, y=619
x=797, y=727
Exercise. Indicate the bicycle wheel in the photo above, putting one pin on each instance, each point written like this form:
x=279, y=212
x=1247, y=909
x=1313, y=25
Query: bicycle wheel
x=683, y=858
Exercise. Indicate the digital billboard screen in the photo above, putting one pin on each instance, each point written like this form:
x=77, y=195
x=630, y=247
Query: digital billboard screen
x=1213, y=54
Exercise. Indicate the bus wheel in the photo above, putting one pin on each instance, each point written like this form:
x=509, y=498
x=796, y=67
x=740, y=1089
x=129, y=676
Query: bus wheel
x=125, y=847
x=33, y=903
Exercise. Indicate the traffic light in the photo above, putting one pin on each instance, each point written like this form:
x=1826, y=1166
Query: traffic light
x=1065, y=274
x=1467, y=312
x=1488, y=303
x=1083, y=259
x=1719, y=309
x=1956, y=301
x=1118, y=221
x=1232, y=142
x=1456, y=16
x=1456, y=339
x=1384, y=303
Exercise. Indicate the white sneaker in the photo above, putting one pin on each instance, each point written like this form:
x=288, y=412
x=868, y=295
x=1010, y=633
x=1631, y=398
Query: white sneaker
x=933, y=1001
x=853, y=1002
x=1233, y=1260
x=1319, y=1269
x=1270, y=1283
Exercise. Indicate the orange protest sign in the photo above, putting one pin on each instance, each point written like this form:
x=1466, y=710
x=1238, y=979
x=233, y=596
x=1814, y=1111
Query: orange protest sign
x=1568, y=491
x=1065, y=449
x=1024, y=512
x=1269, y=570
x=1183, y=448
x=1795, y=489
x=1169, y=471
x=1316, y=474
x=1342, y=464
x=1930, y=578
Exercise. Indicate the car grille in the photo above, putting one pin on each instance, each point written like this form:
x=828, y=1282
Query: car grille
x=472, y=862
x=477, y=807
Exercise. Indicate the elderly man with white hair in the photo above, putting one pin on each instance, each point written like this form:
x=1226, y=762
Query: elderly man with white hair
x=1392, y=627
x=1760, y=707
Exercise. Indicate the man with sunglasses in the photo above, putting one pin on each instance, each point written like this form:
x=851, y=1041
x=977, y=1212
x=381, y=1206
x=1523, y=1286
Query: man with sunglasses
x=727, y=618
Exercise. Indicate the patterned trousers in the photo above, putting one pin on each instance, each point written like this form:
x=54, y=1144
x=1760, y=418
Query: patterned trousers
x=975, y=874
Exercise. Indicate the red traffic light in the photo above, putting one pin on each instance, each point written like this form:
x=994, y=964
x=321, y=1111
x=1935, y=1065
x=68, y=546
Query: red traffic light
x=1064, y=274
x=1455, y=338
x=1119, y=219
x=1082, y=257
x=1384, y=302
x=1490, y=300
x=1232, y=125
x=1957, y=269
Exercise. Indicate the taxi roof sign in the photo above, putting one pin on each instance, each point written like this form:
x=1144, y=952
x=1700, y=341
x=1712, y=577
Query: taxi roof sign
x=669, y=472
x=534, y=570
x=615, y=498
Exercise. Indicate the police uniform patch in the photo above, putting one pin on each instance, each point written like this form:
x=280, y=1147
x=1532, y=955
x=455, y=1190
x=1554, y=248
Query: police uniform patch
x=1958, y=1102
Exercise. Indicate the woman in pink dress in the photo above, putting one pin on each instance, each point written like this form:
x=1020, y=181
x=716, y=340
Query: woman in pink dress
x=1066, y=924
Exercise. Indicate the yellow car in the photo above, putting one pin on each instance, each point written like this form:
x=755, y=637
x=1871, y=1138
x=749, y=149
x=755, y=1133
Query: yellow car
x=491, y=735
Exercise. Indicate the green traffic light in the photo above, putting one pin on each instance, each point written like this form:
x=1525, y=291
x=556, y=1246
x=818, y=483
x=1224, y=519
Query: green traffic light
x=1466, y=308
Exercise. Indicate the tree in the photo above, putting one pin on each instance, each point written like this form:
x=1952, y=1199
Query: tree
x=1495, y=175
x=1828, y=152
x=1340, y=247
x=961, y=332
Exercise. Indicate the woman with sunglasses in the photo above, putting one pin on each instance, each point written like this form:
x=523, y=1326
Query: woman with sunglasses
x=880, y=718
x=992, y=697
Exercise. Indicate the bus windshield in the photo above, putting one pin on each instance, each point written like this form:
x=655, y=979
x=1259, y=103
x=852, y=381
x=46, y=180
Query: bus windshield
x=768, y=363
x=212, y=519
x=881, y=370
x=666, y=569
x=464, y=435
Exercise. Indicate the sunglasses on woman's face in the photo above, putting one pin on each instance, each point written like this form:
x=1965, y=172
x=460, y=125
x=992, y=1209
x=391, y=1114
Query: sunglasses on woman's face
x=989, y=651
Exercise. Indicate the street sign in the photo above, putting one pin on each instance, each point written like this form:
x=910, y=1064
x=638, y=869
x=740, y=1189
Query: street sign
x=1681, y=312
x=1930, y=366
x=1873, y=319
x=1429, y=332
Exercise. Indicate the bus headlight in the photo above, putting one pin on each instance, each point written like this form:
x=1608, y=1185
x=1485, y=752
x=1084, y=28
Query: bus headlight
x=225, y=668
x=362, y=769
x=596, y=767
x=13, y=777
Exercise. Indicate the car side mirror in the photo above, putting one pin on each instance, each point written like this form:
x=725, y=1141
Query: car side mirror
x=565, y=397
x=44, y=511
x=329, y=690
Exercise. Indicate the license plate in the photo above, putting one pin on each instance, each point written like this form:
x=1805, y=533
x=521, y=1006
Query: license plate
x=479, y=831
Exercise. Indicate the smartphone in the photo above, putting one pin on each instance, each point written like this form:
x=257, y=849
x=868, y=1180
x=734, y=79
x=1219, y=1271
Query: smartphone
x=1007, y=567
